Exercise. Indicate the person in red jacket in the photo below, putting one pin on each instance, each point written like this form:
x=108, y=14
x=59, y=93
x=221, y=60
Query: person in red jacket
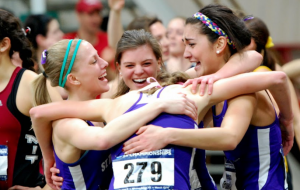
x=89, y=18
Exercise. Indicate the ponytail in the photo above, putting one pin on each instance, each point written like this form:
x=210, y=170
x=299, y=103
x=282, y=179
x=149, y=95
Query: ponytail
x=41, y=95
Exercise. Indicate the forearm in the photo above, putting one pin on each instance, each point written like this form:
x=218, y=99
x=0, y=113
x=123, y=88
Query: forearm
x=127, y=124
x=292, y=69
x=208, y=139
x=86, y=110
x=43, y=134
x=240, y=63
x=115, y=28
x=282, y=95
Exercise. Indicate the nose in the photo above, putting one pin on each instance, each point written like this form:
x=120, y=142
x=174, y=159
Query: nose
x=187, y=54
x=103, y=63
x=165, y=41
x=138, y=70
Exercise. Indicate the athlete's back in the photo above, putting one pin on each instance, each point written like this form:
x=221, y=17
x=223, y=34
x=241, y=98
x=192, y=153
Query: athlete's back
x=171, y=167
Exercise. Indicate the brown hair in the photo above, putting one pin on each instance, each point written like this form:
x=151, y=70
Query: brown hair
x=55, y=57
x=10, y=27
x=232, y=25
x=143, y=22
x=166, y=79
x=260, y=34
x=133, y=39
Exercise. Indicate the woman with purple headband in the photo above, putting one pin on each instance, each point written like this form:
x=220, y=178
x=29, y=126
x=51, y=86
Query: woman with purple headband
x=248, y=125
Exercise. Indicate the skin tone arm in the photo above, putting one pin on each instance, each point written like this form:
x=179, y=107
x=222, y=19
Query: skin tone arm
x=295, y=106
x=237, y=64
x=292, y=69
x=115, y=28
x=223, y=89
x=227, y=137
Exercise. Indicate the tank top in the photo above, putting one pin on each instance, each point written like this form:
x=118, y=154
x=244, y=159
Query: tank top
x=92, y=171
x=169, y=168
x=257, y=162
x=20, y=153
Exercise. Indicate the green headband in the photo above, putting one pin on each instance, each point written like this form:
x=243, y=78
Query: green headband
x=63, y=82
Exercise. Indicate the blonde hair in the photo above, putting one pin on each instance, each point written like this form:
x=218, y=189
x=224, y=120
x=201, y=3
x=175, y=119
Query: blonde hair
x=52, y=67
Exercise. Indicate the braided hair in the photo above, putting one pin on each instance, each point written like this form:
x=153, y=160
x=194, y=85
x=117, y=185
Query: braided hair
x=10, y=27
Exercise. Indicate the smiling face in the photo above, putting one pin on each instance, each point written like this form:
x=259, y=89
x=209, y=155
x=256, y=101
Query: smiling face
x=90, y=70
x=137, y=65
x=199, y=50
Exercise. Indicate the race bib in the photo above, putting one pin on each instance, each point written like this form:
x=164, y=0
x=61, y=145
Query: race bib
x=3, y=162
x=147, y=170
x=228, y=179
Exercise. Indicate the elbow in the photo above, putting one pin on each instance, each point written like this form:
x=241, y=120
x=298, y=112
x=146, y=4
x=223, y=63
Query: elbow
x=104, y=144
x=34, y=113
x=281, y=78
x=257, y=57
x=231, y=142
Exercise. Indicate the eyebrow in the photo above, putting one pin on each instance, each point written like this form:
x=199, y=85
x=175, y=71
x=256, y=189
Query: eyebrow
x=187, y=39
x=129, y=62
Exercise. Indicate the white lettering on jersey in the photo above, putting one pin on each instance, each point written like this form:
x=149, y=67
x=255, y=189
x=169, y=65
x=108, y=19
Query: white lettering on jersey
x=31, y=158
x=106, y=163
x=31, y=139
x=34, y=148
x=1, y=103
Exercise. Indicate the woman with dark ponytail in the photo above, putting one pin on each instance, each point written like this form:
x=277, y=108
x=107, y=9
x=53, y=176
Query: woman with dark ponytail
x=20, y=152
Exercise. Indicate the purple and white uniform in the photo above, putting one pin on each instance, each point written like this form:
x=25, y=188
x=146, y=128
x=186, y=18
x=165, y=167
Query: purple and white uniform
x=92, y=171
x=169, y=168
x=257, y=162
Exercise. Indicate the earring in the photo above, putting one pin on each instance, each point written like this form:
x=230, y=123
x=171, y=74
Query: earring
x=120, y=73
x=2, y=49
x=218, y=52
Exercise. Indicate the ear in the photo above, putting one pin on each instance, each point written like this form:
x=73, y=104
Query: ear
x=118, y=68
x=5, y=44
x=220, y=45
x=40, y=40
x=73, y=80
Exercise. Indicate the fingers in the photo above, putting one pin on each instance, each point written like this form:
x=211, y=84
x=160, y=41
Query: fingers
x=54, y=170
x=194, y=86
x=188, y=82
x=135, y=150
x=191, y=108
x=202, y=86
x=130, y=141
x=210, y=86
x=142, y=129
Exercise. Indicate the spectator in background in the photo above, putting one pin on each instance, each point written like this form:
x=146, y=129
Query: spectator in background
x=90, y=19
x=44, y=32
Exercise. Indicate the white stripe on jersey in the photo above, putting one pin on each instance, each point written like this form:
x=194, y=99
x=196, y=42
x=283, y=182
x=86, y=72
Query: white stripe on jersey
x=194, y=180
x=77, y=176
x=263, y=137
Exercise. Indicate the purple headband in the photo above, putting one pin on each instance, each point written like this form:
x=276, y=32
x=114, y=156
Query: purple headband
x=44, y=57
x=250, y=17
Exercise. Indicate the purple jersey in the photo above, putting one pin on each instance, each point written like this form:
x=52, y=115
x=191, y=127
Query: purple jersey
x=257, y=162
x=169, y=168
x=92, y=171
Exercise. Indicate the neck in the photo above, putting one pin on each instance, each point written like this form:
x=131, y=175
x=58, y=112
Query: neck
x=85, y=35
x=80, y=95
x=178, y=64
x=6, y=68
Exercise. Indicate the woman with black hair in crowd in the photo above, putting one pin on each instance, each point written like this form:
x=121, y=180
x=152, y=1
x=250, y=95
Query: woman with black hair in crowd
x=44, y=32
x=20, y=152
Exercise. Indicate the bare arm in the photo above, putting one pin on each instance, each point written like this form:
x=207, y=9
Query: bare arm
x=292, y=69
x=237, y=64
x=115, y=28
x=226, y=137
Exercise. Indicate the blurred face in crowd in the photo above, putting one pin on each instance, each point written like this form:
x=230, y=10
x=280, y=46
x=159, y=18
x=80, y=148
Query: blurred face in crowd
x=159, y=32
x=90, y=21
x=175, y=32
x=54, y=34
